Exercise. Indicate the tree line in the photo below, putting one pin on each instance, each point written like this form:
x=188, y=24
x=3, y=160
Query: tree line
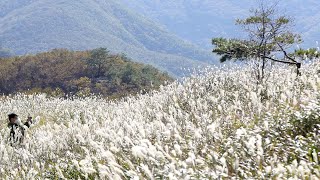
x=61, y=72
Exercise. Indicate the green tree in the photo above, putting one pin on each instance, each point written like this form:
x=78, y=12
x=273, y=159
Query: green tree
x=307, y=54
x=269, y=38
x=97, y=61
x=131, y=75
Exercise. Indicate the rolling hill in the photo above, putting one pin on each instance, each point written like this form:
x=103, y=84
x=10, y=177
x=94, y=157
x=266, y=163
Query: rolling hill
x=200, y=20
x=31, y=26
x=61, y=72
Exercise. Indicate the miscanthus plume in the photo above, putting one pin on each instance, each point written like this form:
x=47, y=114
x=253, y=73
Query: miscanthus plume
x=218, y=124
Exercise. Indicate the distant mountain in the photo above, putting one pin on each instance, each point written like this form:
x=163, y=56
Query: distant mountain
x=31, y=26
x=200, y=20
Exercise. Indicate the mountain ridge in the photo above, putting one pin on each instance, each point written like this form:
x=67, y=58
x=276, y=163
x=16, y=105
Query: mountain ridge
x=37, y=26
x=199, y=21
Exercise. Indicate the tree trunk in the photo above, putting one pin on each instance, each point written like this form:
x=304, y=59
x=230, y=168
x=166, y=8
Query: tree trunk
x=263, y=67
x=298, y=69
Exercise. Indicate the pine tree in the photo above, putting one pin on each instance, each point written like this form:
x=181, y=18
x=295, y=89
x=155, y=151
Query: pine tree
x=99, y=57
x=269, y=38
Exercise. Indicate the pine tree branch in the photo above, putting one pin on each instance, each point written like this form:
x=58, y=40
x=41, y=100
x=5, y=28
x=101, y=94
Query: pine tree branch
x=277, y=60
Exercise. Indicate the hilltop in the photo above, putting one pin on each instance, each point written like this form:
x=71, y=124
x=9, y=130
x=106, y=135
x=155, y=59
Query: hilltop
x=32, y=26
x=62, y=72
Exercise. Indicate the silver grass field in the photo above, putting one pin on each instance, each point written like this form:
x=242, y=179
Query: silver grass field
x=219, y=124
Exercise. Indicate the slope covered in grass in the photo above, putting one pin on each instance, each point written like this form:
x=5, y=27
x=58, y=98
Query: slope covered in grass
x=216, y=125
x=30, y=26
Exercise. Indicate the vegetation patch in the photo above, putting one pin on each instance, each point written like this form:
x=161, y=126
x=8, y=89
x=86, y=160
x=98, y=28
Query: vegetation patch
x=62, y=72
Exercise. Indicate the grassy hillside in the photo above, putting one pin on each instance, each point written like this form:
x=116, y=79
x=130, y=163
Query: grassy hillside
x=218, y=125
x=200, y=20
x=30, y=26
x=61, y=72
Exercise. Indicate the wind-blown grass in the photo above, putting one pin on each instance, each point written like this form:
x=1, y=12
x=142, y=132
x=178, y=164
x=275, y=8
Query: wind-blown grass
x=220, y=124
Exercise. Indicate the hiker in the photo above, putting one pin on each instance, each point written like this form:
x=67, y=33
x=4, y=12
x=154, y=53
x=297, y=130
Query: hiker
x=17, y=133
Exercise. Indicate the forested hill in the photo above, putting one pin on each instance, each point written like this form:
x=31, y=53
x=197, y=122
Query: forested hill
x=61, y=72
x=32, y=26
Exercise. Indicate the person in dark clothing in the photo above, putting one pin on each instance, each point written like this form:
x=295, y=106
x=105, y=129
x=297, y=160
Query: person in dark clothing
x=17, y=129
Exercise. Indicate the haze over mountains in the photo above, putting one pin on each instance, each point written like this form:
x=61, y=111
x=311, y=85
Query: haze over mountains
x=169, y=34
x=200, y=20
x=29, y=26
